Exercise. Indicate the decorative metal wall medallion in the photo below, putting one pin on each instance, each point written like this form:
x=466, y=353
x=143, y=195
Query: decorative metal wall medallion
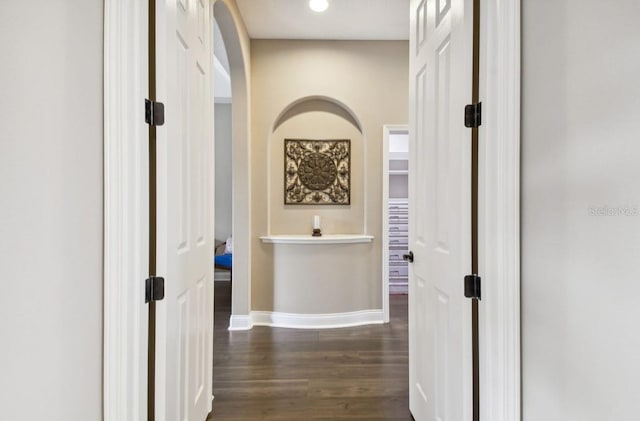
x=317, y=172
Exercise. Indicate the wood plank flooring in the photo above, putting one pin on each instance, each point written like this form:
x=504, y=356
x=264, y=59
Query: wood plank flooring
x=326, y=374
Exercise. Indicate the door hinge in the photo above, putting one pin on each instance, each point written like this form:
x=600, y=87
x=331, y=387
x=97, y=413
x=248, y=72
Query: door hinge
x=154, y=289
x=473, y=115
x=153, y=113
x=472, y=286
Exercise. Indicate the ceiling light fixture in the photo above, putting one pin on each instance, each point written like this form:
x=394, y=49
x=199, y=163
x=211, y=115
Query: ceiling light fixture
x=318, y=5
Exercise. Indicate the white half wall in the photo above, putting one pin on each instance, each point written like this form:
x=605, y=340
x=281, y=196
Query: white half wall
x=580, y=210
x=51, y=218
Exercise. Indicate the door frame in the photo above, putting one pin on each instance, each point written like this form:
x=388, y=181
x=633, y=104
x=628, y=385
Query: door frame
x=499, y=211
x=126, y=204
x=387, y=131
x=126, y=210
x=126, y=216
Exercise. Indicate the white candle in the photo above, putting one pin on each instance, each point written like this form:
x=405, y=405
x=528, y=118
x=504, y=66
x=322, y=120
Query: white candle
x=316, y=222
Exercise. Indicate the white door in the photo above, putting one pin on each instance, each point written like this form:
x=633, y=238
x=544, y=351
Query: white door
x=185, y=212
x=439, y=213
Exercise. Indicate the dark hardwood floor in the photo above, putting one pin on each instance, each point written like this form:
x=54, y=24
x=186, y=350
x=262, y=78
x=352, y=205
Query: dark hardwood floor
x=325, y=374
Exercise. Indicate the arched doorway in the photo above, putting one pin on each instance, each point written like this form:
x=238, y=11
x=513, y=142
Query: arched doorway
x=236, y=42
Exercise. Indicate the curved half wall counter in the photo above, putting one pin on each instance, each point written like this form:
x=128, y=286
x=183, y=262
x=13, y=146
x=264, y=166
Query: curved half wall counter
x=320, y=282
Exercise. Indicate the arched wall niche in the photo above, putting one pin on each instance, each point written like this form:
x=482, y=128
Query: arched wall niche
x=317, y=103
x=317, y=117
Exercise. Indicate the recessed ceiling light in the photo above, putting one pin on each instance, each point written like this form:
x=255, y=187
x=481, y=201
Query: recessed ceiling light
x=318, y=5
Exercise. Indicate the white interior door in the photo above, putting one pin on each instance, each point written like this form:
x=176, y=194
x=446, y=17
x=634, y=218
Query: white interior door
x=439, y=213
x=185, y=212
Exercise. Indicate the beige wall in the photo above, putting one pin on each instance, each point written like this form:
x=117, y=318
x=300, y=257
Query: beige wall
x=223, y=171
x=371, y=80
x=51, y=214
x=580, y=154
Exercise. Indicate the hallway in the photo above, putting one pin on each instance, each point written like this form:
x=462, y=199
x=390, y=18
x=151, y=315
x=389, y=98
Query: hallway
x=331, y=374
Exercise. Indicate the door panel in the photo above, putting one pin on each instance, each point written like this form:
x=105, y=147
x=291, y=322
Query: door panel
x=185, y=220
x=439, y=227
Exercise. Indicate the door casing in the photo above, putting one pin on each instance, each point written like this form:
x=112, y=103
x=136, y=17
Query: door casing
x=499, y=211
x=126, y=210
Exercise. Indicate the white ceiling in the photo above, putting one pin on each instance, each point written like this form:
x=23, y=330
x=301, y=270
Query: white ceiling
x=292, y=19
x=343, y=20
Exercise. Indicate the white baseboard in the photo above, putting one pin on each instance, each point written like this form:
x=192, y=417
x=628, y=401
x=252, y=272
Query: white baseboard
x=240, y=322
x=306, y=321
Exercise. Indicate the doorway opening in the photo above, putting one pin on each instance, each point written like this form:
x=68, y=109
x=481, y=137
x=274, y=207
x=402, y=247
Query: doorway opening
x=232, y=227
x=223, y=224
x=395, y=213
x=234, y=62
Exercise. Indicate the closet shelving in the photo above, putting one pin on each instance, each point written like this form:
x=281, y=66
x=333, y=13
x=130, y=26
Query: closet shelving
x=398, y=207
